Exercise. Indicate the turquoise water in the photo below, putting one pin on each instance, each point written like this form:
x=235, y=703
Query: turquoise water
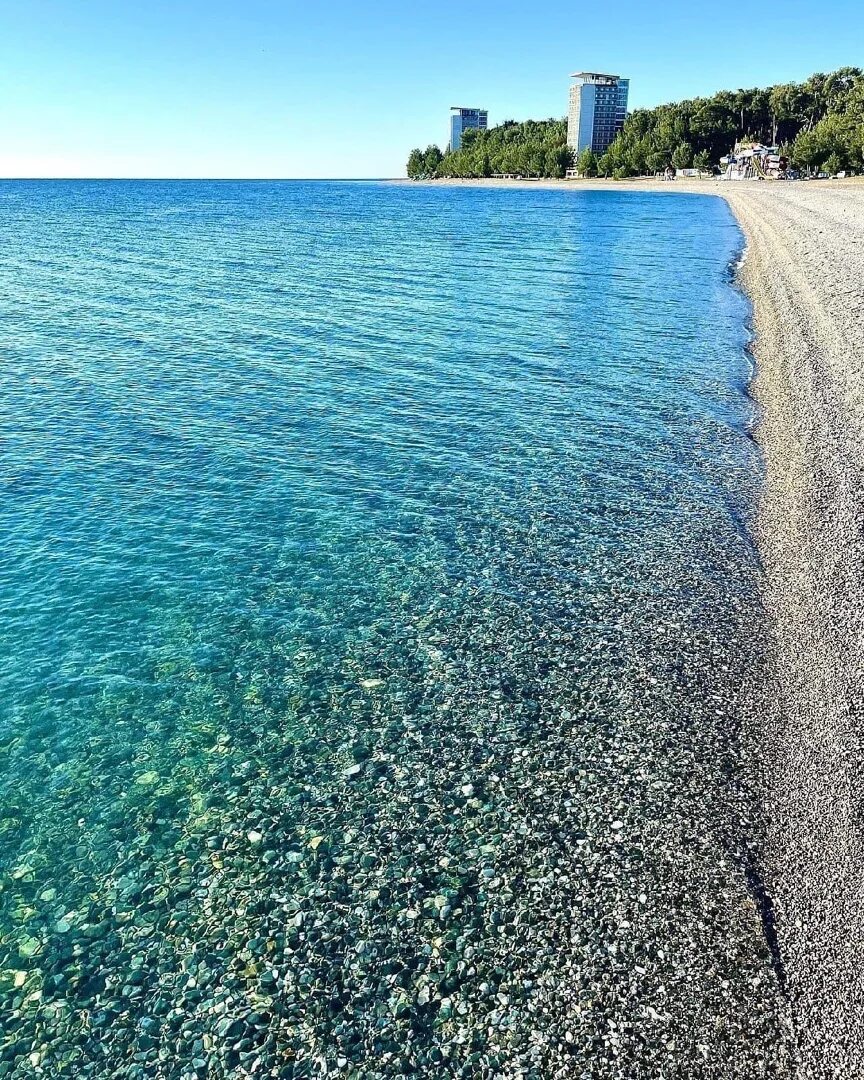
x=376, y=613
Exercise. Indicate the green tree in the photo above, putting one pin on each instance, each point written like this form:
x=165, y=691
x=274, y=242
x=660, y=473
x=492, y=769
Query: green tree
x=702, y=160
x=586, y=163
x=787, y=103
x=536, y=159
x=805, y=150
x=657, y=161
x=682, y=156
x=509, y=159
x=830, y=106
x=416, y=165
x=557, y=162
x=836, y=137
x=469, y=137
x=432, y=160
x=535, y=148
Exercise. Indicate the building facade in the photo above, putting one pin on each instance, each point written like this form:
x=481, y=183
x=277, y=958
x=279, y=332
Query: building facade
x=598, y=109
x=462, y=119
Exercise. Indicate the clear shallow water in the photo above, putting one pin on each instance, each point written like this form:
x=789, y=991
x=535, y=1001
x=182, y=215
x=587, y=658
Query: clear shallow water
x=375, y=608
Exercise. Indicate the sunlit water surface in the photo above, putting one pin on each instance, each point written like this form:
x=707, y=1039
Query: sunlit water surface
x=375, y=608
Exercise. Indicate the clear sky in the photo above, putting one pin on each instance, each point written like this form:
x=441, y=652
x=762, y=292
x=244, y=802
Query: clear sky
x=331, y=88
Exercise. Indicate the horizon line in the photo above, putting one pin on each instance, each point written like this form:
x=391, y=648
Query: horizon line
x=215, y=179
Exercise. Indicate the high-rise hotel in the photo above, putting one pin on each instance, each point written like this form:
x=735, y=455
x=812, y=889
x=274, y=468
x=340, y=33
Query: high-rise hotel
x=598, y=109
x=463, y=118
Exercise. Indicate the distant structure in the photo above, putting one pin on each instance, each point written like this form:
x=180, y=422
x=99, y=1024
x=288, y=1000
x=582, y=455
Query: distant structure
x=464, y=118
x=598, y=109
x=753, y=161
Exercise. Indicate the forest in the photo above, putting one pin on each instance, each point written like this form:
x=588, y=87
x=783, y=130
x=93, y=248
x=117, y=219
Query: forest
x=818, y=124
x=532, y=148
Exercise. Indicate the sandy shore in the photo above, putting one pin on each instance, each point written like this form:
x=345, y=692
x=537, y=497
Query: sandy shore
x=805, y=274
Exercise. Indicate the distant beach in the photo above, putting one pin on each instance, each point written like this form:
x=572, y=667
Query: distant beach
x=730, y=190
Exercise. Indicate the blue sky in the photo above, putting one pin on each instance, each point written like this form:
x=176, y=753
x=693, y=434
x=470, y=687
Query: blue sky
x=264, y=88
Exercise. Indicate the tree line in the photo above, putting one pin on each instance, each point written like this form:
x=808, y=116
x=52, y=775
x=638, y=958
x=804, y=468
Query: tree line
x=532, y=148
x=818, y=124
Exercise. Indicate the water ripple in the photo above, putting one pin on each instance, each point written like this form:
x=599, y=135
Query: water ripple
x=375, y=606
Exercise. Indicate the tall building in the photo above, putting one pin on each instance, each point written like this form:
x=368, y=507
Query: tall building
x=598, y=109
x=462, y=119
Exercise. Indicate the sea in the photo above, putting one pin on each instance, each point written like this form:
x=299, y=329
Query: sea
x=379, y=635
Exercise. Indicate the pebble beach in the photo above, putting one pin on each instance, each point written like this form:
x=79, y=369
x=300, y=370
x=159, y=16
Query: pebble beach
x=805, y=273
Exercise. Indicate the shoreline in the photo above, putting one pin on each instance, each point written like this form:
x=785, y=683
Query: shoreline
x=803, y=274
x=731, y=191
x=802, y=267
x=688, y=185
